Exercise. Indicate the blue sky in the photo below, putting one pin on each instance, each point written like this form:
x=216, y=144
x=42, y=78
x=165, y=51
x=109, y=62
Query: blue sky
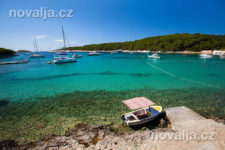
x=99, y=21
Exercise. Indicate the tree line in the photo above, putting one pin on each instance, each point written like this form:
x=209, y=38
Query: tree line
x=6, y=52
x=174, y=42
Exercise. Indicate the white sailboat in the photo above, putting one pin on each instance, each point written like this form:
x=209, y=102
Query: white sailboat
x=115, y=49
x=61, y=53
x=62, y=58
x=94, y=53
x=155, y=55
x=205, y=56
x=222, y=56
x=77, y=56
x=36, y=55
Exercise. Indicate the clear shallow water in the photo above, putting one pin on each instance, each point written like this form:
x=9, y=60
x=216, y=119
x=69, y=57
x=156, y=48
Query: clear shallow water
x=110, y=72
x=47, y=99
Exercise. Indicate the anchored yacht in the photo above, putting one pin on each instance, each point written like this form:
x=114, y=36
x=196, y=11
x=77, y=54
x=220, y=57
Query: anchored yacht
x=155, y=55
x=36, y=55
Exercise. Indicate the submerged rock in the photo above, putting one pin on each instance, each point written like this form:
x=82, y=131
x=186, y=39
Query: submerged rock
x=8, y=144
x=3, y=102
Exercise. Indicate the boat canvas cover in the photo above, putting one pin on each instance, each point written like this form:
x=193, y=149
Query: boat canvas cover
x=138, y=102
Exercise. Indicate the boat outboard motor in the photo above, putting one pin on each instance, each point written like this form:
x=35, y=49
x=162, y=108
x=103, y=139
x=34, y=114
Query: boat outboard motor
x=123, y=117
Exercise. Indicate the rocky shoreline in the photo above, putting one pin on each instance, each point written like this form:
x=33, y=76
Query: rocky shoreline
x=90, y=137
x=87, y=136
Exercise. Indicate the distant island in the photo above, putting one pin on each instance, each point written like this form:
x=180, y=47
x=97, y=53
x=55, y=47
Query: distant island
x=6, y=52
x=23, y=51
x=175, y=42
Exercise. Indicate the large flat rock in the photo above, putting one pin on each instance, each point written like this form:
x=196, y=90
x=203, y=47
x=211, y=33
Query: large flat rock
x=181, y=114
x=185, y=120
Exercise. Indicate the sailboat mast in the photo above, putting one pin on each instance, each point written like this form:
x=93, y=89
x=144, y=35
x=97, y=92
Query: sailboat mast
x=64, y=40
x=36, y=44
x=34, y=47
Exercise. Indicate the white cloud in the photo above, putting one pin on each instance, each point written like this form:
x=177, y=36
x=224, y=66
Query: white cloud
x=73, y=42
x=40, y=36
x=61, y=41
x=58, y=41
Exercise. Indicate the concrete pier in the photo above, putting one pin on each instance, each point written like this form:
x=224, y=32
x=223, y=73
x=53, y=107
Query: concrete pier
x=210, y=134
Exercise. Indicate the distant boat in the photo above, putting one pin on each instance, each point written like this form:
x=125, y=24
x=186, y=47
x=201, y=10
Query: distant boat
x=36, y=55
x=155, y=55
x=15, y=62
x=61, y=53
x=76, y=56
x=94, y=53
x=205, y=56
x=116, y=51
x=222, y=56
x=62, y=58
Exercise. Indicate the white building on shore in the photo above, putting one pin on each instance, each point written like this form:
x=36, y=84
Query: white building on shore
x=218, y=52
x=209, y=52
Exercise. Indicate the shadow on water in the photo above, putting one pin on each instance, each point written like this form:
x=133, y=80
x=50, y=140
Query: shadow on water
x=126, y=57
x=108, y=73
x=3, y=102
x=140, y=74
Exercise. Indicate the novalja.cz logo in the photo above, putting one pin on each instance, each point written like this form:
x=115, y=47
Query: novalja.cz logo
x=42, y=13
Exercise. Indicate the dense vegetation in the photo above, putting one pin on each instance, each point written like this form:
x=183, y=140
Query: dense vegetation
x=6, y=52
x=175, y=42
x=22, y=51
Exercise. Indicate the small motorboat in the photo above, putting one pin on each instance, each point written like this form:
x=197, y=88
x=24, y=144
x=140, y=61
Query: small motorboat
x=23, y=61
x=36, y=56
x=94, y=53
x=222, y=56
x=61, y=60
x=77, y=56
x=114, y=52
x=61, y=53
x=155, y=55
x=144, y=111
x=205, y=56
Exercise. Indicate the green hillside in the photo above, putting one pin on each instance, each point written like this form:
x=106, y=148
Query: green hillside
x=174, y=42
x=6, y=52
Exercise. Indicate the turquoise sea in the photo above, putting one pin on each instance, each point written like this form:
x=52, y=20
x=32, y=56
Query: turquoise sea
x=50, y=98
x=110, y=72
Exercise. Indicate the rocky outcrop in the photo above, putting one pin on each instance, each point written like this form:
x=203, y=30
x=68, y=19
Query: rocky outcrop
x=185, y=123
